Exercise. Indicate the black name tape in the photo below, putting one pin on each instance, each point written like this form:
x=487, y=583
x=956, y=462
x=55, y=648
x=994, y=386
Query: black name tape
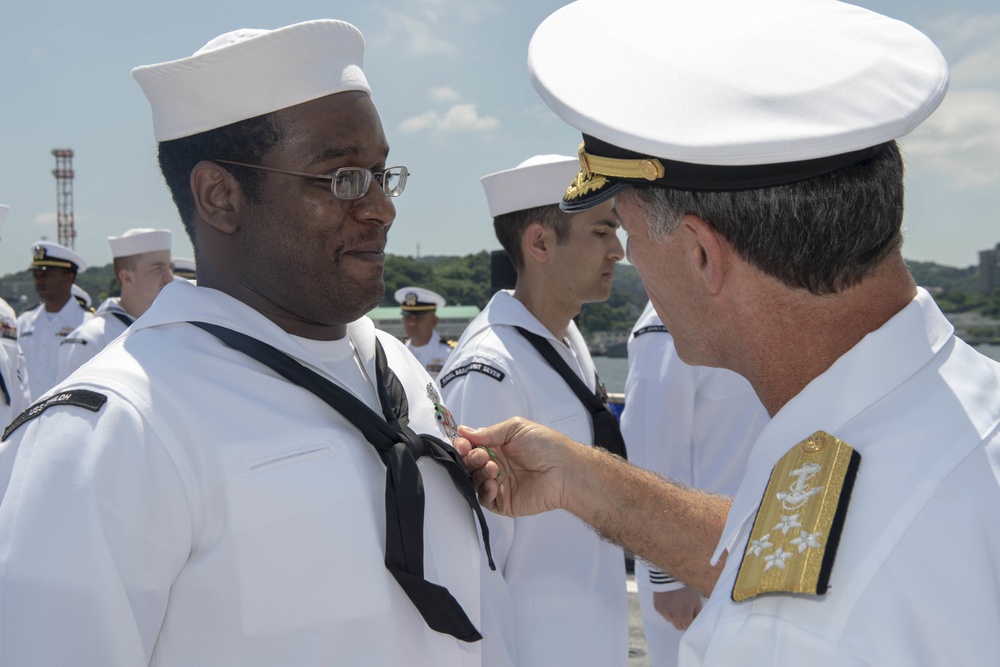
x=476, y=367
x=654, y=328
x=78, y=398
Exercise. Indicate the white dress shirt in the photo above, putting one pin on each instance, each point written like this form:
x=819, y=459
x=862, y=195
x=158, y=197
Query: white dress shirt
x=915, y=576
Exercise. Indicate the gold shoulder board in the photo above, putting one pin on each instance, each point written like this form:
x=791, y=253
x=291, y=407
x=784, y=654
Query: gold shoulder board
x=797, y=528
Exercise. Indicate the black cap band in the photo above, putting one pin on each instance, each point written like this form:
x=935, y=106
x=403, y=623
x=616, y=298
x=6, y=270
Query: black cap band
x=592, y=187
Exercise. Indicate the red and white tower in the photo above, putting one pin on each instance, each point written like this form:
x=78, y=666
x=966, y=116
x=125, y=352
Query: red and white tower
x=64, y=196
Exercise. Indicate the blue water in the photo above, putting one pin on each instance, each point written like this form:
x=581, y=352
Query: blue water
x=613, y=370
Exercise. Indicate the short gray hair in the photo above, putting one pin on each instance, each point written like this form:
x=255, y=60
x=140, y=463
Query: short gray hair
x=824, y=234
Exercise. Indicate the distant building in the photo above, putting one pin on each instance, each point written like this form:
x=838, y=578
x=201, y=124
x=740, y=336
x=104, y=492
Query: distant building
x=989, y=269
x=452, y=320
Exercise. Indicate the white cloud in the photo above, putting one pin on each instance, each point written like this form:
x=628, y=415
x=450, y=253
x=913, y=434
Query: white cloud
x=465, y=117
x=444, y=94
x=435, y=11
x=959, y=29
x=419, y=30
x=45, y=219
x=961, y=139
x=425, y=121
x=459, y=118
x=980, y=67
x=417, y=37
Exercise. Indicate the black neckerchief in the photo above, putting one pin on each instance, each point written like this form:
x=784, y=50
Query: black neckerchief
x=127, y=320
x=607, y=433
x=399, y=447
x=3, y=387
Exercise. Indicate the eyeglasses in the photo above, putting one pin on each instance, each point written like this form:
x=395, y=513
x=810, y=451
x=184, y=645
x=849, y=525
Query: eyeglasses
x=348, y=183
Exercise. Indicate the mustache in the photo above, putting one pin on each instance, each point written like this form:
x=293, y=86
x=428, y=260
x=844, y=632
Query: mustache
x=374, y=241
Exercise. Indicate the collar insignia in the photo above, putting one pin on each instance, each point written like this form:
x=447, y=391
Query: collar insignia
x=797, y=528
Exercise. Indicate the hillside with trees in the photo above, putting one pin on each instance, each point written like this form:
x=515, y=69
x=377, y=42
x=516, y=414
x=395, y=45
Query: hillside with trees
x=465, y=280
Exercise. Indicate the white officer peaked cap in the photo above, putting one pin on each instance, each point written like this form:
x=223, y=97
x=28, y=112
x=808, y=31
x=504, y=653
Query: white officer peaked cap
x=538, y=181
x=418, y=299
x=247, y=73
x=729, y=94
x=81, y=296
x=45, y=254
x=184, y=267
x=139, y=241
x=3, y=213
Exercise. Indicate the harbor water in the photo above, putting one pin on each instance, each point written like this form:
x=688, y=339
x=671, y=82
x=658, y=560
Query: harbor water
x=614, y=370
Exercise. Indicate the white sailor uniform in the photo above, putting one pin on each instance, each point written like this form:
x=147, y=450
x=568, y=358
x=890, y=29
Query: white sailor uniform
x=692, y=424
x=919, y=553
x=15, y=397
x=211, y=513
x=40, y=333
x=567, y=584
x=84, y=342
x=433, y=355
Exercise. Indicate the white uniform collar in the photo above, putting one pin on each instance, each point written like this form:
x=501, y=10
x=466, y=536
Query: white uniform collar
x=70, y=306
x=898, y=349
x=433, y=341
x=111, y=305
x=183, y=302
x=504, y=309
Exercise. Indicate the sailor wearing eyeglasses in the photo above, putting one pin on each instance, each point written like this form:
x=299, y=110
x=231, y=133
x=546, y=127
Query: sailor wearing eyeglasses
x=251, y=474
x=418, y=307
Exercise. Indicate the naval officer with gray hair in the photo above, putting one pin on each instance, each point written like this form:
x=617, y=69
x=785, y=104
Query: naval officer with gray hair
x=751, y=152
x=251, y=474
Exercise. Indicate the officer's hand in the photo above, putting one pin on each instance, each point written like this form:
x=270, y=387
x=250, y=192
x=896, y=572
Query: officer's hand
x=518, y=467
x=679, y=607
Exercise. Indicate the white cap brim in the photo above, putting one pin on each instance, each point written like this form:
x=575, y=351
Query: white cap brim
x=420, y=295
x=538, y=181
x=139, y=241
x=730, y=82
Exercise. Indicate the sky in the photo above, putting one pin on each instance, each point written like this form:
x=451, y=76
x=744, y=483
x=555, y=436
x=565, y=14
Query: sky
x=450, y=81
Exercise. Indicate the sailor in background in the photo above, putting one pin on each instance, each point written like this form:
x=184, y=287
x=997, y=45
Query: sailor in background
x=44, y=327
x=419, y=310
x=691, y=424
x=524, y=355
x=14, y=395
x=184, y=267
x=141, y=261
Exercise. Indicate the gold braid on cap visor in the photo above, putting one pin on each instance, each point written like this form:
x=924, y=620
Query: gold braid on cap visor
x=596, y=169
x=52, y=264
